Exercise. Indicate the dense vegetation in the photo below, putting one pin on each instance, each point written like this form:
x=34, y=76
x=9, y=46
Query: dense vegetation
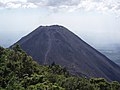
x=19, y=72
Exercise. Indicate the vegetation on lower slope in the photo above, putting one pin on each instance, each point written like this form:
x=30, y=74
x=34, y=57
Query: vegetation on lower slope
x=19, y=72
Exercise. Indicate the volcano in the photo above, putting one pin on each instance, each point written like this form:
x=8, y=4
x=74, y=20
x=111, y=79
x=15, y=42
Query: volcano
x=48, y=44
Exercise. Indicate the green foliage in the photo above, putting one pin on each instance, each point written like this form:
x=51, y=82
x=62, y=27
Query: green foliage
x=19, y=72
x=115, y=85
x=17, y=48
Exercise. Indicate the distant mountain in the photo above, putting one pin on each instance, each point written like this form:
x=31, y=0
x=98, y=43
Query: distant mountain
x=48, y=44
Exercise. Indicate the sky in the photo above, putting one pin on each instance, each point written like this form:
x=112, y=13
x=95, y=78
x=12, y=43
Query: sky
x=95, y=21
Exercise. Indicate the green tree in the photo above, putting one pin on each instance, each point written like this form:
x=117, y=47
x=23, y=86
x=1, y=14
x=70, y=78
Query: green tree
x=17, y=48
x=18, y=71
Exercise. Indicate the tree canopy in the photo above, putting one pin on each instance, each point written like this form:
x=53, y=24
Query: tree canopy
x=18, y=71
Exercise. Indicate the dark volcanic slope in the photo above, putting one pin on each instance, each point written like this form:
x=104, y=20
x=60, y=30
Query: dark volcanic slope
x=56, y=43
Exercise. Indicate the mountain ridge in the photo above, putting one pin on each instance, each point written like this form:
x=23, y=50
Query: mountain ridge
x=55, y=43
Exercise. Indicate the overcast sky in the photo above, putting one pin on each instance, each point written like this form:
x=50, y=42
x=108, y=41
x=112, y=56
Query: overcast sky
x=95, y=21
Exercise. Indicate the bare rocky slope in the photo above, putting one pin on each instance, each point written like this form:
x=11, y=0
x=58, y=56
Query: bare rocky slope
x=48, y=44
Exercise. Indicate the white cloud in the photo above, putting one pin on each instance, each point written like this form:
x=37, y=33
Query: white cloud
x=1, y=4
x=6, y=1
x=16, y=4
x=103, y=6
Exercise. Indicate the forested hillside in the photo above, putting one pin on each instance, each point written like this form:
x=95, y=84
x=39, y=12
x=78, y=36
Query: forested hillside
x=18, y=71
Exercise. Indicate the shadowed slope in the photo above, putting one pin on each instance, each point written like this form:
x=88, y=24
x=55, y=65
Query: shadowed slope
x=57, y=44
